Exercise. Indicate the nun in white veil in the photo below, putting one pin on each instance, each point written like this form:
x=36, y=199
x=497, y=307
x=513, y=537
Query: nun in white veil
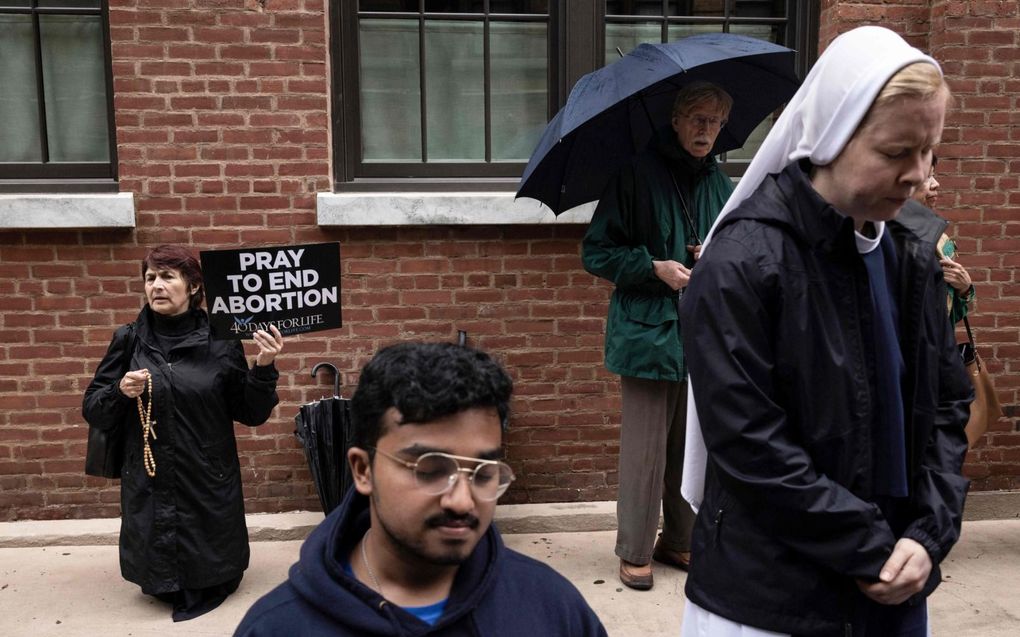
x=825, y=383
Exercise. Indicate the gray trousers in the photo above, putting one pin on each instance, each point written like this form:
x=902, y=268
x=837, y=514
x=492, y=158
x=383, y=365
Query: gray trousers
x=652, y=435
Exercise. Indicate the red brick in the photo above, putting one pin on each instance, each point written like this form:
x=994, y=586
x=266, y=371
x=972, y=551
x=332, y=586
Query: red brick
x=275, y=36
x=246, y=52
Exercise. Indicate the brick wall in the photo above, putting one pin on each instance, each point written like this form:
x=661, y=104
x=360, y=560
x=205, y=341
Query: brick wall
x=222, y=114
x=978, y=45
x=222, y=117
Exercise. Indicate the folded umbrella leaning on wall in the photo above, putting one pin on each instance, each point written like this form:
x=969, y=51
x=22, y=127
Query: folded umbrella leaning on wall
x=324, y=429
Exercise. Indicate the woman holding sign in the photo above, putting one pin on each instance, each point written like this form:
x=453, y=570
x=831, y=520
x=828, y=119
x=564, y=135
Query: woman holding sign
x=175, y=393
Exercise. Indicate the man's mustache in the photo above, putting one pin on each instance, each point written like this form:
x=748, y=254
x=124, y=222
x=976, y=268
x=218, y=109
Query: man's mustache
x=448, y=519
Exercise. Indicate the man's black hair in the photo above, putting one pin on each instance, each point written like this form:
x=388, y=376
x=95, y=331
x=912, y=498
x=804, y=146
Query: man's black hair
x=426, y=381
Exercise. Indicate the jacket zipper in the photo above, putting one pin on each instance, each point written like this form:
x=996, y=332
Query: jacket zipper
x=718, y=524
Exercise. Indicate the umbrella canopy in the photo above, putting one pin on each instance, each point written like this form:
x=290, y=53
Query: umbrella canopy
x=612, y=113
x=325, y=431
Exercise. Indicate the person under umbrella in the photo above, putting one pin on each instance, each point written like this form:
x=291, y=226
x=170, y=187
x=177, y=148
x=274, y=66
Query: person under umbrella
x=614, y=112
x=644, y=237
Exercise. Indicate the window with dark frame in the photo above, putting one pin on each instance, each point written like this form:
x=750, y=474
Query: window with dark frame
x=439, y=89
x=55, y=102
x=454, y=94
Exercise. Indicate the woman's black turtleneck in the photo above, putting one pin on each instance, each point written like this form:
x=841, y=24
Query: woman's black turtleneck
x=172, y=330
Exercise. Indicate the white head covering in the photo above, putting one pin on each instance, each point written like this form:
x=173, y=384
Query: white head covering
x=824, y=113
x=817, y=123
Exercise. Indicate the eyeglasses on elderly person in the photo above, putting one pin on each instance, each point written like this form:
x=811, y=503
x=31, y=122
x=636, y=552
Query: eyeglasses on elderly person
x=435, y=473
x=704, y=121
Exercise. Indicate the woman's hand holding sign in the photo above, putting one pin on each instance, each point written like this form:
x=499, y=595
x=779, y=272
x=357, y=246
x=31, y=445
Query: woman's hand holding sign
x=269, y=345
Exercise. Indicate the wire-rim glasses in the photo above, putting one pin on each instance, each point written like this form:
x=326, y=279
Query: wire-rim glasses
x=435, y=473
x=706, y=121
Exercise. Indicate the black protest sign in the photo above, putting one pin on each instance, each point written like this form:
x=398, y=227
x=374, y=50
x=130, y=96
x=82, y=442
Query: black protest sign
x=295, y=288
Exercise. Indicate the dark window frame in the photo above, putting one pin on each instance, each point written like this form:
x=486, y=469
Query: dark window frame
x=350, y=173
x=576, y=46
x=47, y=176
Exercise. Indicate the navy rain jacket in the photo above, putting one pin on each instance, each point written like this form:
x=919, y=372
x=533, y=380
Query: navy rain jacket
x=783, y=372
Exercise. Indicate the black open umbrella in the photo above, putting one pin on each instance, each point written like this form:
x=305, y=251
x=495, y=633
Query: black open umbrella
x=612, y=113
x=325, y=431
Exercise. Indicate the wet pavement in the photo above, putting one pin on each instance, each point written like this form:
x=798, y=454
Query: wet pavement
x=76, y=590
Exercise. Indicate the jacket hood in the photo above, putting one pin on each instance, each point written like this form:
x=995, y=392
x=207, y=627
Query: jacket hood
x=804, y=212
x=815, y=221
x=320, y=580
x=922, y=221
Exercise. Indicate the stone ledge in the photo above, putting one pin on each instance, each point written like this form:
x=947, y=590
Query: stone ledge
x=439, y=208
x=67, y=211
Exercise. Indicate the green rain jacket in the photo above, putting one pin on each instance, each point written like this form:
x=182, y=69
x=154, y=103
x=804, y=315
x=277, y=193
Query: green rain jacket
x=639, y=219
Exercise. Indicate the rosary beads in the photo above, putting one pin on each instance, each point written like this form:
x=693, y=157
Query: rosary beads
x=148, y=429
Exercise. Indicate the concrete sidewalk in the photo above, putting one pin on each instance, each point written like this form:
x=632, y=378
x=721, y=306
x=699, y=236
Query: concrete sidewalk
x=62, y=578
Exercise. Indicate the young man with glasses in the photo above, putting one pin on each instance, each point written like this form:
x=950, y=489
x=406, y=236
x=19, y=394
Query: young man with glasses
x=412, y=549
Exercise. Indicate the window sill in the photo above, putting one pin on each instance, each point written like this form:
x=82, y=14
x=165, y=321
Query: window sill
x=67, y=211
x=431, y=209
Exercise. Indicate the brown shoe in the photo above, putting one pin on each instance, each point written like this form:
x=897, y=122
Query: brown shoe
x=633, y=575
x=679, y=559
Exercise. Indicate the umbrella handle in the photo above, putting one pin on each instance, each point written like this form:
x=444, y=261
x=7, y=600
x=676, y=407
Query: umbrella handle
x=336, y=376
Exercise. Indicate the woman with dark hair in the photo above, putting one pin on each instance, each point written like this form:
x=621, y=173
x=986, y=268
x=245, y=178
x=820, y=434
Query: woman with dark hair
x=175, y=394
x=961, y=288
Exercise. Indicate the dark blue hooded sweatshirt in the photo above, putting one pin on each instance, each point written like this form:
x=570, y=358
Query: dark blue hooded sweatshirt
x=497, y=591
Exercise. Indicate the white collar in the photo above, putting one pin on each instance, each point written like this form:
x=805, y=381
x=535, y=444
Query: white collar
x=868, y=244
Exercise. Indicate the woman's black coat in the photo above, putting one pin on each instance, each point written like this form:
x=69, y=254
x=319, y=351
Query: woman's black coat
x=183, y=529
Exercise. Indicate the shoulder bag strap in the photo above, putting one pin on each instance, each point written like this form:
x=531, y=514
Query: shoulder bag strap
x=129, y=348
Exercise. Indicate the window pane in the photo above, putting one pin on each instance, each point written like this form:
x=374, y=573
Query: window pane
x=519, y=71
x=14, y=3
x=760, y=9
x=75, y=87
x=454, y=6
x=627, y=36
x=538, y=7
x=388, y=5
x=753, y=143
x=634, y=7
x=767, y=32
x=677, y=31
x=19, y=106
x=69, y=4
x=454, y=90
x=390, y=97
x=698, y=7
